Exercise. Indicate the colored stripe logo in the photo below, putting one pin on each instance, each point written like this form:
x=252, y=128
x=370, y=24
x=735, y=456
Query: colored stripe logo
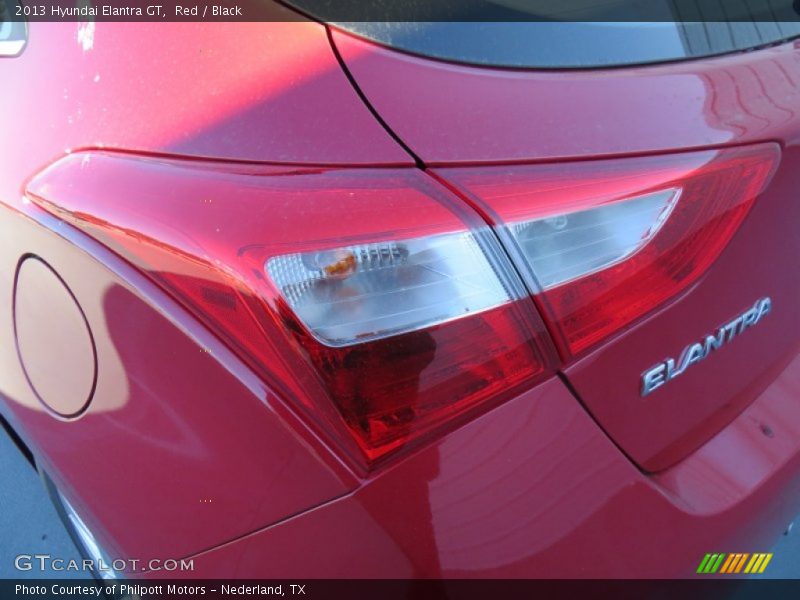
x=737, y=562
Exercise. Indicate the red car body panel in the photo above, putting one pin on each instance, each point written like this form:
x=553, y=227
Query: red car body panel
x=184, y=451
x=239, y=91
x=182, y=447
x=545, y=494
x=170, y=414
x=449, y=113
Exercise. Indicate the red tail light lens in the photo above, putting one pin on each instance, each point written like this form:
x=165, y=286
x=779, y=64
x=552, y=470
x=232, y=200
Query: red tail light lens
x=373, y=299
x=604, y=242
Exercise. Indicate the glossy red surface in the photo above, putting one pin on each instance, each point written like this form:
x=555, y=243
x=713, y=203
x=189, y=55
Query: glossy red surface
x=453, y=113
x=180, y=433
x=534, y=489
x=182, y=446
x=243, y=91
x=186, y=450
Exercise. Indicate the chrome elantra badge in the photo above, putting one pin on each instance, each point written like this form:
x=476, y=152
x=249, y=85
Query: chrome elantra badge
x=668, y=370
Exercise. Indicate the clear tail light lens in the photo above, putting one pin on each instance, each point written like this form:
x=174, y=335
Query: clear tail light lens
x=604, y=242
x=571, y=245
x=360, y=293
x=373, y=300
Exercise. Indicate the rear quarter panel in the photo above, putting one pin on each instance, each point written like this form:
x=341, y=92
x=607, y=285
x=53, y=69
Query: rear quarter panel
x=173, y=409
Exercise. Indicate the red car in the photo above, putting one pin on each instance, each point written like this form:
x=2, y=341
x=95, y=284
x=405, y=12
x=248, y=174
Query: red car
x=401, y=300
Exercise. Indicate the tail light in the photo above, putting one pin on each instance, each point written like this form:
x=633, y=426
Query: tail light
x=602, y=243
x=376, y=301
x=384, y=307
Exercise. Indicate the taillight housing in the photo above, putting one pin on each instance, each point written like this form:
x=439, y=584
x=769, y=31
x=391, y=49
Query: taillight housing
x=374, y=300
x=384, y=307
x=602, y=243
